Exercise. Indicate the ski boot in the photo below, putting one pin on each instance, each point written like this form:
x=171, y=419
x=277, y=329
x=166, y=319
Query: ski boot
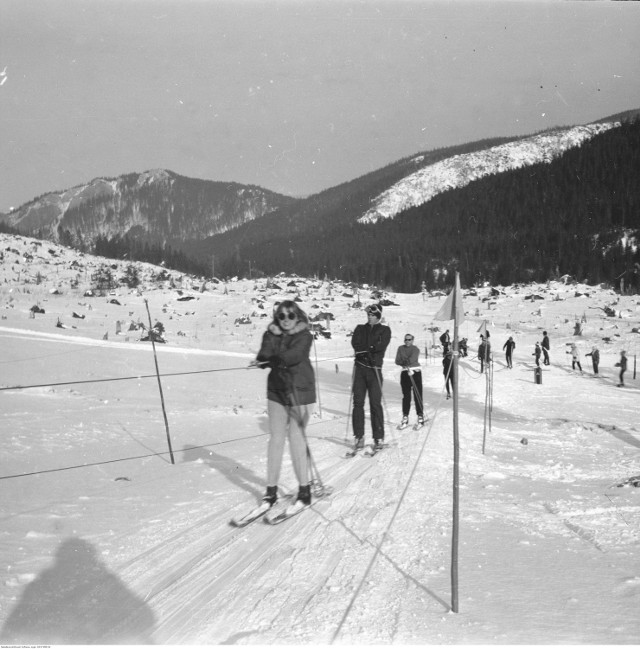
x=302, y=501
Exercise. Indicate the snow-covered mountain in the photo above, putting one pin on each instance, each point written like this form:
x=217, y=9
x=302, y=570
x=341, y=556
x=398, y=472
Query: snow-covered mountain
x=157, y=205
x=585, y=176
x=460, y=170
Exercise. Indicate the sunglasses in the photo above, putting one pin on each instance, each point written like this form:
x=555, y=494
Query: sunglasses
x=284, y=316
x=373, y=312
x=408, y=340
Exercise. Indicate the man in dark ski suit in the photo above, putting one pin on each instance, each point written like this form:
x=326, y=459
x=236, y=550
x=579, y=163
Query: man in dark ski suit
x=509, y=346
x=545, y=347
x=369, y=342
x=484, y=352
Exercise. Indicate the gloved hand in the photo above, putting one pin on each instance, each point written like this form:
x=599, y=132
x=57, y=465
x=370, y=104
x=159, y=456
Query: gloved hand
x=272, y=362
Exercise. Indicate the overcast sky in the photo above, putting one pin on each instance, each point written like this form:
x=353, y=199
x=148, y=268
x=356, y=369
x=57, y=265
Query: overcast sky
x=294, y=96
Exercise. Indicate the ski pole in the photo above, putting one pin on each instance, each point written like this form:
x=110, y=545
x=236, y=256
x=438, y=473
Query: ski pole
x=297, y=415
x=353, y=377
x=417, y=396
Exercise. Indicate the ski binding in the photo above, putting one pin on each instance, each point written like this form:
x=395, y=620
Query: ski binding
x=373, y=449
x=283, y=514
x=253, y=515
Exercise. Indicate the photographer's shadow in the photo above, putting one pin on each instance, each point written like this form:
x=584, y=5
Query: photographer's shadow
x=78, y=601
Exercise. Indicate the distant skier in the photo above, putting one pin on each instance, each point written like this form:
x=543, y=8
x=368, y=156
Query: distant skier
x=595, y=359
x=537, y=352
x=575, y=357
x=445, y=339
x=508, y=347
x=622, y=364
x=545, y=347
x=447, y=370
x=407, y=357
x=484, y=352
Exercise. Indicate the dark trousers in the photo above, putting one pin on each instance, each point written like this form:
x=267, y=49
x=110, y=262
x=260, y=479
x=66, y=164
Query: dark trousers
x=411, y=384
x=509, y=361
x=367, y=380
x=448, y=382
x=546, y=356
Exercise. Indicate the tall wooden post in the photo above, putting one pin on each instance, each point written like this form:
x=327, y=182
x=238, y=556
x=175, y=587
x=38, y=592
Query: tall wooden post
x=456, y=458
x=155, y=358
x=452, y=309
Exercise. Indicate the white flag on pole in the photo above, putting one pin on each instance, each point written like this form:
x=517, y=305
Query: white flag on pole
x=452, y=308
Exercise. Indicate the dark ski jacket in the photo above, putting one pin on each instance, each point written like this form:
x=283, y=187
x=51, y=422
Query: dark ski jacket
x=484, y=351
x=545, y=342
x=291, y=380
x=370, y=343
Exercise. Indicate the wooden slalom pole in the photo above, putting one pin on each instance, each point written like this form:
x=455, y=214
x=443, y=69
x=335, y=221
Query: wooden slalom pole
x=452, y=309
x=155, y=358
x=487, y=389
x=456, y=460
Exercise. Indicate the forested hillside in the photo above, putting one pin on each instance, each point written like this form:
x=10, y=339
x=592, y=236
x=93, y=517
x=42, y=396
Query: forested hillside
x=321, y=213
x=578, y=215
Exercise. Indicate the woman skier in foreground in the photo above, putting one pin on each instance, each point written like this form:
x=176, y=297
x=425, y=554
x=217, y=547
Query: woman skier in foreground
x=290, y=391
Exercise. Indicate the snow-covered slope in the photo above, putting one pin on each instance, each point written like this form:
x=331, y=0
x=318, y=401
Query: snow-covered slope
x=105, y=541
x=460, y=170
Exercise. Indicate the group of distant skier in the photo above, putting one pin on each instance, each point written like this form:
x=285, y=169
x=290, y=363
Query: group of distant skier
x=542, y=349
x=291, y=391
